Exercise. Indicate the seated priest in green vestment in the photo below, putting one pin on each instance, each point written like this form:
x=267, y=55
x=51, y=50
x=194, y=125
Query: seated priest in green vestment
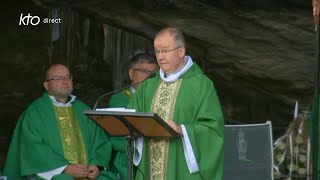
x=187, y=100
x=142, y=64
x=54, y=140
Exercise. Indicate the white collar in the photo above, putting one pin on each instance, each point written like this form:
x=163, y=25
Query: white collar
x=60, y=104
x=175, y=76
x=132, y=89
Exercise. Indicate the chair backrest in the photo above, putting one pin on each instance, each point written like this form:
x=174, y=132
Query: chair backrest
x=248, y=153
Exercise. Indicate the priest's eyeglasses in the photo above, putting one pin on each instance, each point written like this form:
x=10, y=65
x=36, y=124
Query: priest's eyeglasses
x=144, y=71
x=60, y=78
x=165, y=51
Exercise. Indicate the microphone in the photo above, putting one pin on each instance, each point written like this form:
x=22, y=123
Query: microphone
x=152, y=75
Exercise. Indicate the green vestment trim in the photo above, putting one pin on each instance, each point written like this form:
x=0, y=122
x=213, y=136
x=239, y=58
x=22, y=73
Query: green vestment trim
x=71, y=137
x=121, y=99
x=128, y=93
x=163, y=104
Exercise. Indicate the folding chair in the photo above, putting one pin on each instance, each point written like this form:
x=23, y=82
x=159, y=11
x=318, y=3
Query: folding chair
x=248, y=152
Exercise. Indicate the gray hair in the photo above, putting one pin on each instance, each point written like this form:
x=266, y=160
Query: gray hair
x=177, y=34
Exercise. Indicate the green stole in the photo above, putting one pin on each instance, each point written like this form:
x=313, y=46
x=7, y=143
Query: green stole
x=71, y=137
x=163, y=103
x=128, y=93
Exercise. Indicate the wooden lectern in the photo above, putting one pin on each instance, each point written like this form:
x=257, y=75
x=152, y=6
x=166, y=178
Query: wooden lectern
x=132, y=125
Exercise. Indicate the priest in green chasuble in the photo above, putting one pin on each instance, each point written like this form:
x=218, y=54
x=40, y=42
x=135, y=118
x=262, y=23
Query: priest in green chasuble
x=186, y=99
x=141, y=65
x=54, y=140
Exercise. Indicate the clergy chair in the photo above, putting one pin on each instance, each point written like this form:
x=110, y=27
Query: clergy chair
x=248, y=152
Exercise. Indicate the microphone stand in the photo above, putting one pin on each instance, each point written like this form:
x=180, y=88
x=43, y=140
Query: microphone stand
x=153, y=74
x=130, y=136
x=103, y=95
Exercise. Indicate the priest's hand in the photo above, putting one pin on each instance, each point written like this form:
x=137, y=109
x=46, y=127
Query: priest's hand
x=175, y=126
x=77, y=170
x=93, y=172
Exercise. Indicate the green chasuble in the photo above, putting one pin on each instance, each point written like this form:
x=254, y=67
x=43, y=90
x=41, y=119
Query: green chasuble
x=119, y=161
x=121, y=99
x=193, y=102
x=37, y=147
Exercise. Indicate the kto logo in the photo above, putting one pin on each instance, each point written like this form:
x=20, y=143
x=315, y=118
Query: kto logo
x=25, y=20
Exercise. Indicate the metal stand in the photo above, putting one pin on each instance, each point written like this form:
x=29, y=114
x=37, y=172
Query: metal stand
x=132, y=125
x=129, y=139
